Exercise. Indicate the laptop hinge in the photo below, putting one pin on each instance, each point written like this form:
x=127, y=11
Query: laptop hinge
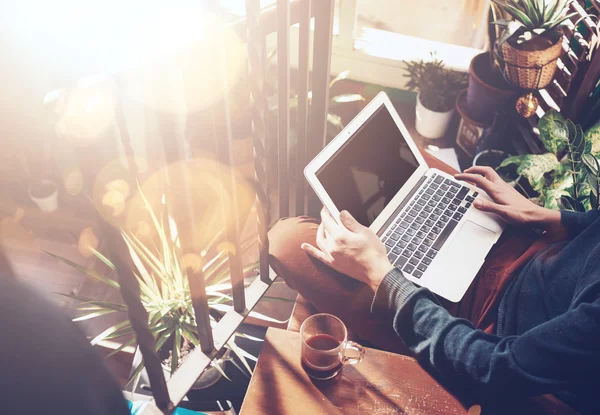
x=401, y=206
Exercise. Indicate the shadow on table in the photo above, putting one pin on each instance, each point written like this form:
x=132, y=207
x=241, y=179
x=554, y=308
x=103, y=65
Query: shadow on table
x=351, y=391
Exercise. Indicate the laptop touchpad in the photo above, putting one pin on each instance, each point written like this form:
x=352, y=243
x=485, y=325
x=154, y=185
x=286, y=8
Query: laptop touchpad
x=472, y=241
x=460, y=260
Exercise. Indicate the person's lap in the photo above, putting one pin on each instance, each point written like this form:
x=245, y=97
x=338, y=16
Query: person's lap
x=335, y=293
x=338, y=294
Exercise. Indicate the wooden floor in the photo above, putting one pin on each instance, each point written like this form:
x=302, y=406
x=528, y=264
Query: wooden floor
x=25, y=238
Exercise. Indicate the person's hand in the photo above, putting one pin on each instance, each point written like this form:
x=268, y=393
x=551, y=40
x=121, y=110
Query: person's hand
x=351, y=249
x=507, y=203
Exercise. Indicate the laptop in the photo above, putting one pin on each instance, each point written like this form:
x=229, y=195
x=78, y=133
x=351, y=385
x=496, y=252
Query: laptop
x=424, y=216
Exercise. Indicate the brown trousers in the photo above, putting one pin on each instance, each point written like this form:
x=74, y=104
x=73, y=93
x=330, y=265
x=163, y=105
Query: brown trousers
x=350, y=300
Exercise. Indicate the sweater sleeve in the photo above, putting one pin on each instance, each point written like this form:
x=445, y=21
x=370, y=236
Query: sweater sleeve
x=487, y=365
x=576, y=222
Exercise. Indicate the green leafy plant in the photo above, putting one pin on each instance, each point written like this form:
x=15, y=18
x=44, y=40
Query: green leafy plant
x=437, y=86
x=532, y=19
x=165, y=292
x=567, y=177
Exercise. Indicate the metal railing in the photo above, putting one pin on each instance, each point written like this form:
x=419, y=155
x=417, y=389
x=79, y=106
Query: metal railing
x=311, y=138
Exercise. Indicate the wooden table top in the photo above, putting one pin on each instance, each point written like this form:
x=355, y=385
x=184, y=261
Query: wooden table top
x=383, y=383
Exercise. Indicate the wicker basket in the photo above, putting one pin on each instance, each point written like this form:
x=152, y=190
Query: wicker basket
x=531, y=69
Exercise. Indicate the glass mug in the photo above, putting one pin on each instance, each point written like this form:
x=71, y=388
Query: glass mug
x=326, y=348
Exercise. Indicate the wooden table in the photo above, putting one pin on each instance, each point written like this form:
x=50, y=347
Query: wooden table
x=383, y=383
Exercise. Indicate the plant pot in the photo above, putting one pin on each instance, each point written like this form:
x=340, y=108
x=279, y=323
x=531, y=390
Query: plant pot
x=531, y=69
x=487, y=90
x=431, y=124
x=469, y=130
x=209, y=377
x=45, y=195
x=490, y=158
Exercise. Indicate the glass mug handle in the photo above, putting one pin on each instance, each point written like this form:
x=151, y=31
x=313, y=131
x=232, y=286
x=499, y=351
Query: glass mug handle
x=358, y=352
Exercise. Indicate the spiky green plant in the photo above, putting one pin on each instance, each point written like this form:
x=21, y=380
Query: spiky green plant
x=532, y=19
x=437, y=85
x=165, y=292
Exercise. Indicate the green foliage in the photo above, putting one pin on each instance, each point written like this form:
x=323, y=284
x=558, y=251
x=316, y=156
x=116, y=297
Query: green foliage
x=164, y=289
x=534, y=168
x=553, y=133
x=437, y=86
x=571, y=183
x=593, y=136
x=532, y=19
x=584, y=168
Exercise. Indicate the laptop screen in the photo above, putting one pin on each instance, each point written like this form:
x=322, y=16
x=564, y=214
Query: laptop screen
x=371, y=167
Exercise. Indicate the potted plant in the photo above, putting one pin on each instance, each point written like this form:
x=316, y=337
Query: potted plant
x=437, y=90
x=567, y=177
x=166, y=295
x=531, y=42
x=488, y=90
x=44, y=193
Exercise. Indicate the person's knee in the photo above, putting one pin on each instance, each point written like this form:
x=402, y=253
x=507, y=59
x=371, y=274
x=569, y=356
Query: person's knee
x=285, y=239
x=288, y=234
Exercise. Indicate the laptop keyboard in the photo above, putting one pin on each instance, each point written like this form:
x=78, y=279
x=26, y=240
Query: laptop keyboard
x=414, y=239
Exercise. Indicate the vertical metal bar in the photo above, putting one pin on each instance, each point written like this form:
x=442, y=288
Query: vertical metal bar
x=257, y=66
x=321, y=73
x=201, y=309
x=123, y=130
x=138, y=316
x=283, y=100
x=303, y=88
x=224, y=150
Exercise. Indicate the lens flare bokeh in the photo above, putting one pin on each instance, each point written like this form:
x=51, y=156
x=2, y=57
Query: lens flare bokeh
x=196, y=195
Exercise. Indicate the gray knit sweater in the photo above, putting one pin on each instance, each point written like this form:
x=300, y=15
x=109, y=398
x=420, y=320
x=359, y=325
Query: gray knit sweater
x=549, y=326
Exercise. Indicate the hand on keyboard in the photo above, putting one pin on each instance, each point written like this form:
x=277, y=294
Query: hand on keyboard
x=507, y=203
x=352, y=249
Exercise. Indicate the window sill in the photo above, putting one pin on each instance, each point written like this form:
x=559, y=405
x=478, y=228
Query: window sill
x=377, y=56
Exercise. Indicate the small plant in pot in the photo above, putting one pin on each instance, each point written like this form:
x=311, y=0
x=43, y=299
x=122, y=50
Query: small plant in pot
x=531, y=42
x=437, y=90
x=44, y=194
x=159, y=265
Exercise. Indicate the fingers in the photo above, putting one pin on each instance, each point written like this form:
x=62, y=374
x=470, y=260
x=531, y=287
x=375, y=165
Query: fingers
x=488, y=172
x=322, y=241
x=349, y=222
x=315, y=253
x=331, y=226
x=487, y=206
x=480, y=181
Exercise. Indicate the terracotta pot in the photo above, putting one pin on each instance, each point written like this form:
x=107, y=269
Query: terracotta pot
x=487, y=90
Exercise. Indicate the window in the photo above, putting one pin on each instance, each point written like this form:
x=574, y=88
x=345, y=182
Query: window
x=375, y=36
x=445, y=21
